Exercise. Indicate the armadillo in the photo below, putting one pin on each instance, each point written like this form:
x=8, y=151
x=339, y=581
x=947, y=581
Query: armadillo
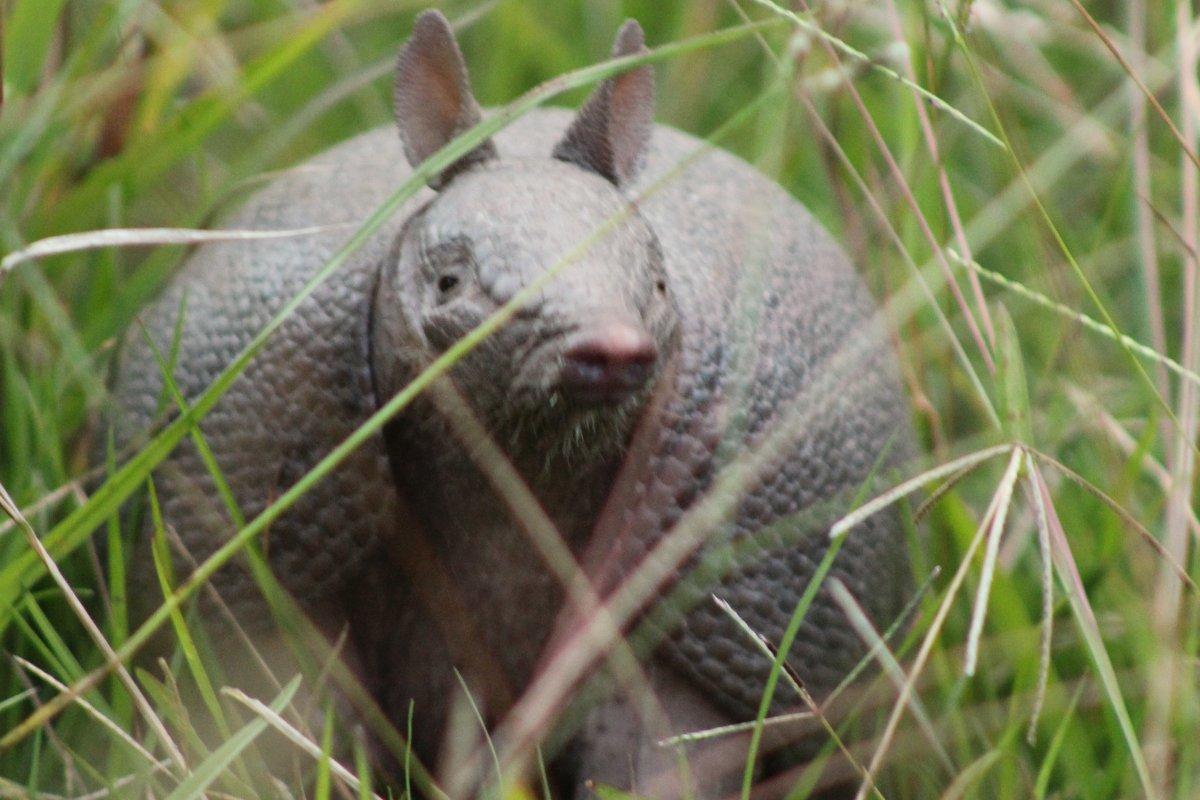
x=700, y=316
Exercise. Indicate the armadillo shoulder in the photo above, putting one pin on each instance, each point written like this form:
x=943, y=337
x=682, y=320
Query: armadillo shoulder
x=306, y=390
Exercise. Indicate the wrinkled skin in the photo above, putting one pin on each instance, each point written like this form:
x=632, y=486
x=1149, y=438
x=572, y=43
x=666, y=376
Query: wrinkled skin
x=764, y=342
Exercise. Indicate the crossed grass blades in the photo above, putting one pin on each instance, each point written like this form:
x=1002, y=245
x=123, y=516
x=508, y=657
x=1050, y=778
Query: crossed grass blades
x=1047, y=150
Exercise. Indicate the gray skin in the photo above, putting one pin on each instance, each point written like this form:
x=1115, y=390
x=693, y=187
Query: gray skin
x=712, y=312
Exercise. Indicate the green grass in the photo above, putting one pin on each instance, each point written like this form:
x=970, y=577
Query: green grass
x=1067, y=333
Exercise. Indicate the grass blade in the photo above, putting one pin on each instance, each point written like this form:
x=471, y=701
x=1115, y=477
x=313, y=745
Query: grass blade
x=293, y=735
x=882, y=69
x=1068, y=575
x=1004, y=495
x=899, y=492
x=146, y=237
x=211, y=768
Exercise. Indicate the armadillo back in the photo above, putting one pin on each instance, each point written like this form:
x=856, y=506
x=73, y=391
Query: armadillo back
x=785, y=368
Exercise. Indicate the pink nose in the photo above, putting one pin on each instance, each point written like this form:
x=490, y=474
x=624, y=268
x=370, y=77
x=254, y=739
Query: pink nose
x=608, y=362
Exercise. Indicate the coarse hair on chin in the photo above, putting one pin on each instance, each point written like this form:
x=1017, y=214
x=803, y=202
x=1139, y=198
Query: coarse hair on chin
x=566, y=436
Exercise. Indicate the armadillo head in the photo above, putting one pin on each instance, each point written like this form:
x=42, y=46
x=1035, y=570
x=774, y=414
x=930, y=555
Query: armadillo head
x=555, y=240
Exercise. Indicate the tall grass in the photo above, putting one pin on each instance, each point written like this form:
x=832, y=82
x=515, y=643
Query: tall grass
x=1018, y=185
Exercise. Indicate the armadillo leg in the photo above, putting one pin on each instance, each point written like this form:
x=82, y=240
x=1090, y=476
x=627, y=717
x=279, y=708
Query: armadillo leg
x=619, y=745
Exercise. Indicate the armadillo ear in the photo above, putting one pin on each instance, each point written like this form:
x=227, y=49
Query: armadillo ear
x=610, y=133
x=433, y=96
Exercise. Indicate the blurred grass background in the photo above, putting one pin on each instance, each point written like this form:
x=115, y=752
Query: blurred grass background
x=126, y=113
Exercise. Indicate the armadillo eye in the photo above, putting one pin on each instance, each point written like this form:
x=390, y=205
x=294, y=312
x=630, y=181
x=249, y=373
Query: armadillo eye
x=446, y=283
x=661, y=286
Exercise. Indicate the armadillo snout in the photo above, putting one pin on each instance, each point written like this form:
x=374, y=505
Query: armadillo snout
x=607, y=363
